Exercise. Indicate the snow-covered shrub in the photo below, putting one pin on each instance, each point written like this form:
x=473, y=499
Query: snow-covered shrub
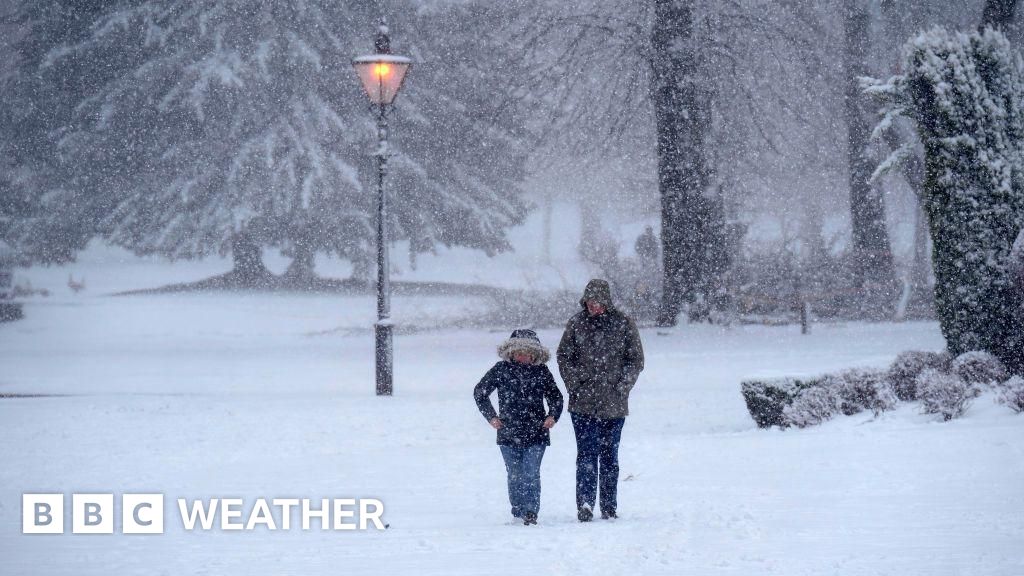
x=862, y=389
x=1011, y=393
x=906, y=367
x=813, y=406
x=945, y=394
x=767, y=399
x=805, y=402
x=979, y=367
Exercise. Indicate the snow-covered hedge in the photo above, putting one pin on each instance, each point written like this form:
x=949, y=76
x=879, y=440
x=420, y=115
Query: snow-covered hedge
x=944, y=393
x=848, y=392
x=813, y=406
x=979, y=367
x=804, y=402
x=862, y=389
x=1011, y=393
x=942, y=384
x=905, y=369
x=767, y=399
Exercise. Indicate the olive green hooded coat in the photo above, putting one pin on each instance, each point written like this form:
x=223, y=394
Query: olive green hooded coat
x=600, y=357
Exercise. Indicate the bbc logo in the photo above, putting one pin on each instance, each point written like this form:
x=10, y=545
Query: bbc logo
x=92, y=513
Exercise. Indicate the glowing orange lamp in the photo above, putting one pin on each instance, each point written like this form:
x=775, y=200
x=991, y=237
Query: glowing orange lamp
x=382, y=73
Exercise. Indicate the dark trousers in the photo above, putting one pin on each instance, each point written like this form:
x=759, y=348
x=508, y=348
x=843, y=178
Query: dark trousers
x=523, y=467
x=597, y=460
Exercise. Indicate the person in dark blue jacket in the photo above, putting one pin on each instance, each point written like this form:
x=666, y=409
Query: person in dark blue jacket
x=523, y=383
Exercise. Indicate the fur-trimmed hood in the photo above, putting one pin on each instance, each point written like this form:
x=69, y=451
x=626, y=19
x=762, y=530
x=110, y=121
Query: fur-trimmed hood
x=528, y=341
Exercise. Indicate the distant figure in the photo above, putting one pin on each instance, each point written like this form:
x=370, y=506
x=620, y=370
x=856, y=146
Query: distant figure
x=600, y=357
x=647, y=245
x=523, y=383
x=76, y=286
x=645, y=297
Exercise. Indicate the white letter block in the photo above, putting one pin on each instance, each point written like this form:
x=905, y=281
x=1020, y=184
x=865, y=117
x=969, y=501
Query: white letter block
x=142, y=513
x=92, y=513
x=42, y=513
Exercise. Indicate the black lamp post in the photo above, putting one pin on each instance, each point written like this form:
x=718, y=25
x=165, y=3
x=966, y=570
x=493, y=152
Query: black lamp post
x=381, y=75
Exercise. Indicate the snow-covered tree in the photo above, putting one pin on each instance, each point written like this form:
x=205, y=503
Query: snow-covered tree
x=39, y=96
x=711, y=88
x=998, y=13
x=965, y=94
x=227, y=126
x=900, y=20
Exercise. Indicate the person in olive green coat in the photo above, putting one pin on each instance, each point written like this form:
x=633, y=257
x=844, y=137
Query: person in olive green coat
x=600, y=358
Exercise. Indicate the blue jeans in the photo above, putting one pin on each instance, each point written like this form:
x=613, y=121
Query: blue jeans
x=523, y=466
x=597, y=459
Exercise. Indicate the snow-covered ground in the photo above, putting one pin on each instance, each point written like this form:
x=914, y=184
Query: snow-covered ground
x=215, y=395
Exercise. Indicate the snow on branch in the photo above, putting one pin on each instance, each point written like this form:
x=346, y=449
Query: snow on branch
x=896, y=159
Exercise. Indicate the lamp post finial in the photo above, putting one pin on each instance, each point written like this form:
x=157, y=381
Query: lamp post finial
x=382, y=43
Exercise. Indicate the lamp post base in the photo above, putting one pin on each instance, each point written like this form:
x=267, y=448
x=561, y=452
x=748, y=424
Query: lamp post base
x=382, y=332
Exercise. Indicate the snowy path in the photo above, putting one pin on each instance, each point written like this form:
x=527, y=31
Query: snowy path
x=203, y=397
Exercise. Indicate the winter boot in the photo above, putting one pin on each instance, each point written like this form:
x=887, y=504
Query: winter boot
x=608, y=515
x=530, y=518
x=585, y=514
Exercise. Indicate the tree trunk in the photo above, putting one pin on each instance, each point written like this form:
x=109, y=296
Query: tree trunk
x=921, y=302
x=596, y=245
x=300, y=271
x=546, y=240
x=913, y=172
x=875, y=272
x=922, y=299
x=922, y=264
x=590, y=223
x=363, y=267
x=998, y=14
x=682, y=110
x=248, y=260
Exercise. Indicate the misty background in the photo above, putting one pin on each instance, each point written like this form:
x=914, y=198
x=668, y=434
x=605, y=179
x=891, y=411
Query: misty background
x=736, y=130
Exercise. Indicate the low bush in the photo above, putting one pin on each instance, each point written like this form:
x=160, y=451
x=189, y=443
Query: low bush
x=908, y=365
x=805, y=402
x=813, y=406
x=1011, y=393
x=944, y=385
x=944, y=393
x=767, y=399
x=979, y=367
x=862, y=389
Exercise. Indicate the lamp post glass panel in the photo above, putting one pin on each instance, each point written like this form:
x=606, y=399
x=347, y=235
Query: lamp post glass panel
x=381, y=75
